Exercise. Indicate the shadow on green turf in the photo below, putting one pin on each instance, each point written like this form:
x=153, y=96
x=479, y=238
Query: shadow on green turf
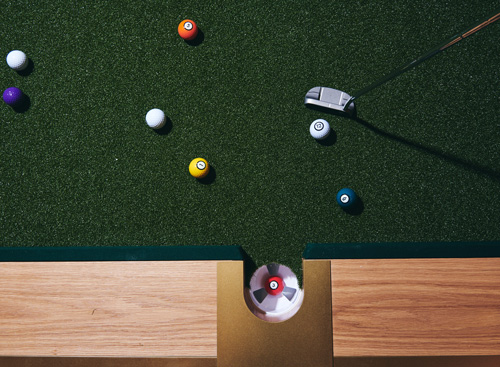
x=24, y=105
x=329, y=141
x=29, y=69
x=165, y=130
x=210, y=178
x=357, y=208
x=479, y=169
x=198, y=40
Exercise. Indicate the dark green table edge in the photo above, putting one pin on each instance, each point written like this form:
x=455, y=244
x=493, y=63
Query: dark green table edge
x=121, y=253
x=401, y=250
x=389, y=250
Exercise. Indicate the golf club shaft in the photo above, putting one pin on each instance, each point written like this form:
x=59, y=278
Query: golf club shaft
x=450, y=42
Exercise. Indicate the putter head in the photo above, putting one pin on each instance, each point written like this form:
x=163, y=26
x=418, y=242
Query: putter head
x=324, y=98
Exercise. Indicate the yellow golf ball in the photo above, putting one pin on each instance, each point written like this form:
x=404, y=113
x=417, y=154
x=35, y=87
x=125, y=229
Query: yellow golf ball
x=199, y=168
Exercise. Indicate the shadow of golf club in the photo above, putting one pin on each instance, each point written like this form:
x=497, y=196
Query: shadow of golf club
x=474, y=167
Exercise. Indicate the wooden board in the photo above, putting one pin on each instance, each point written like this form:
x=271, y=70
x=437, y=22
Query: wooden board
x=416, y=307
x=106, y=362
x=381, y=308
x=149, y=308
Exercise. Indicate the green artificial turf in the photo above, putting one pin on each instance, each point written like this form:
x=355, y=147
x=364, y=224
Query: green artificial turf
x=81, y=168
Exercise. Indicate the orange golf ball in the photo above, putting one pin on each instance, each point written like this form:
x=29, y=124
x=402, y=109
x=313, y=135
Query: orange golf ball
x=188, y=30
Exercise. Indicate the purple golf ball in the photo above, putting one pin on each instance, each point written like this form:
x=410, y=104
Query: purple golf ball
x=12, y=96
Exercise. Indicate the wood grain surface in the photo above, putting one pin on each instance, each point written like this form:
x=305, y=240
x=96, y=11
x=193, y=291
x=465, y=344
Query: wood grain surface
x=106, y=362
x=381, y=308
x=416, y=307
x=153, y=309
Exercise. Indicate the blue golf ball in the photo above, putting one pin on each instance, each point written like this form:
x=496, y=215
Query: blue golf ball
x=346, y=198
x=12, y=96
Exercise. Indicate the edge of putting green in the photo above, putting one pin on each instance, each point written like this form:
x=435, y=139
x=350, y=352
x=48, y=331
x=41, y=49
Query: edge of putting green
x=402, y=250
x=121, y=253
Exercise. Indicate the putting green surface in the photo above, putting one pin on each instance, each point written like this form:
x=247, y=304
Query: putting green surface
x=80, y=167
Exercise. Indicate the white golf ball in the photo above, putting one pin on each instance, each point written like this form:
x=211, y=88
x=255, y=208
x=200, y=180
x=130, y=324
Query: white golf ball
x=17, y=60
x=319, y=129
x=155, y=118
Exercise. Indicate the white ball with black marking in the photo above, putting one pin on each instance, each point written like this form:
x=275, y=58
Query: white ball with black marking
x=319, y=129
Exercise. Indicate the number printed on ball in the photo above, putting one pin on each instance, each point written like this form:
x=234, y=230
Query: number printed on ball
x=319, y=126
